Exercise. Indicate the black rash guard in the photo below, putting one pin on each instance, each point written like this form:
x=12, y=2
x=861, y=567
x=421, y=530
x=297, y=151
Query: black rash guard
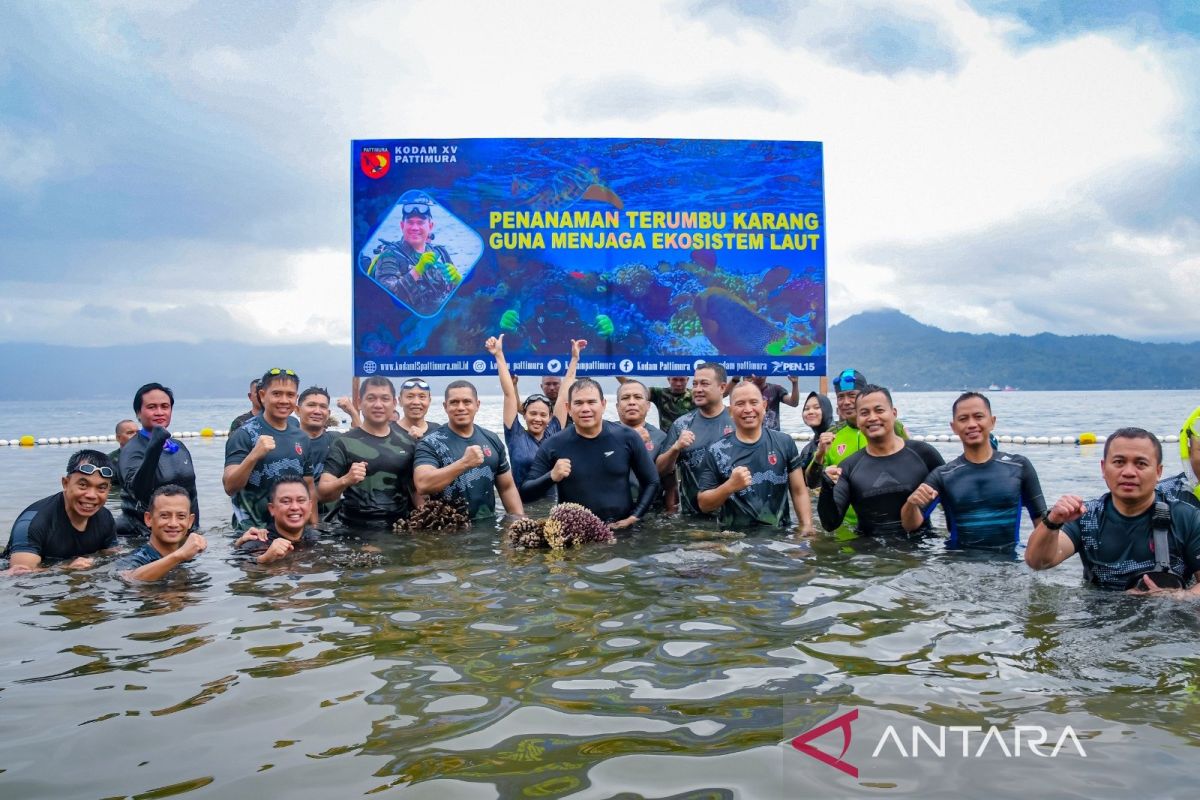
x=149, y=460
x=600, y=469
x=877, y=487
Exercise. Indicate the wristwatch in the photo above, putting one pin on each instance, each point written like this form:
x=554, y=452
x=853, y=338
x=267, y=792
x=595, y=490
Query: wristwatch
x=1052, y=526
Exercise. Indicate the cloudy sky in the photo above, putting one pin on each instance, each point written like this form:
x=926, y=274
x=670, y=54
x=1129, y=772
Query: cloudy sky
x=177, y=170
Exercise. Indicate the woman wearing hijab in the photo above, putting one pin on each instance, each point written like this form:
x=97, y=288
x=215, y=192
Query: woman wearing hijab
x=818, y=415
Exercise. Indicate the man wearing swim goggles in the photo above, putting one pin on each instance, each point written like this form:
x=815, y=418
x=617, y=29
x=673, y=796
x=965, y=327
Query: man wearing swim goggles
x=72, y=525
x=1121, y=536
x=415, y=397
x=416, y=270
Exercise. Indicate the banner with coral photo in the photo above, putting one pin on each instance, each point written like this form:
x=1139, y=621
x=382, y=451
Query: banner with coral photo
x=662, y=253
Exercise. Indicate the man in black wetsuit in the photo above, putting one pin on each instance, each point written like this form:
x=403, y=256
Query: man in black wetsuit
x=749, y=475
x=590, y=462
x=688, y=440
x=1115, y=534
x=70, y=526
x=152, y=459
x=877, y=480
x=462, y=461
x=983, y=490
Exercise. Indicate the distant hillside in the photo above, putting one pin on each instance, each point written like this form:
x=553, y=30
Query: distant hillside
x=887, y=346
x=895, y=350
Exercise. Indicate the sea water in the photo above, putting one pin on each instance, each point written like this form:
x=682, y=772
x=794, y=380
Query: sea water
x=679, y=662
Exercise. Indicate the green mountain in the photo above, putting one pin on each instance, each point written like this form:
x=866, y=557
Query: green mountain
x=895, y=350
x=887, y=346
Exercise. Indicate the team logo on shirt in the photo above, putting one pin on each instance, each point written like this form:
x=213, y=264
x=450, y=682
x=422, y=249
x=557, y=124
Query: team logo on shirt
x=649, y=445
x=841, y=448
x=487, y=451
x=299, y=450
x=772, y=459
x=728, y=429
x=374, y=162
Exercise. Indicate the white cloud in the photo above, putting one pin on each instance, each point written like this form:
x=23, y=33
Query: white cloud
x=941, y=135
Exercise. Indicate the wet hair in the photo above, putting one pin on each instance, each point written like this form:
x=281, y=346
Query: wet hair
x=93, y=457
x=310, y=391
x=285, y=480
x=874, y=388
x=168, y=490
x=584, y=383
x=267, y=379
x=150, y=387
x=117, y=429
x=970, y=396
x=1134, y=433
x=377, y=381
x=460, y=384
x=722, y=375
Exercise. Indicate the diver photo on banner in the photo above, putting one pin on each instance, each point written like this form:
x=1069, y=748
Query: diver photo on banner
x=661, y=253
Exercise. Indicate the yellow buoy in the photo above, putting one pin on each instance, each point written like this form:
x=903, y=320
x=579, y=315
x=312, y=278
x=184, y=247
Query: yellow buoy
x=26, y=441
x=1087, y=438
x=206, y=432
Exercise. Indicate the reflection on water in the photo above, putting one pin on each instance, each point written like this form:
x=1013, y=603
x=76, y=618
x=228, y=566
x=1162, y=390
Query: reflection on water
x=677, y=662
x=448, y=666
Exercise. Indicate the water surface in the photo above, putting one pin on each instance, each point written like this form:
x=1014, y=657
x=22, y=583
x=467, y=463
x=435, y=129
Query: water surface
x=676, y=663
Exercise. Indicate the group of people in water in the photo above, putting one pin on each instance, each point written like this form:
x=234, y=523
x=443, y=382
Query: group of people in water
x=719, y=455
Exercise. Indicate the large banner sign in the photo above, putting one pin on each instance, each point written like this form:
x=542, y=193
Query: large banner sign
x=662, y=253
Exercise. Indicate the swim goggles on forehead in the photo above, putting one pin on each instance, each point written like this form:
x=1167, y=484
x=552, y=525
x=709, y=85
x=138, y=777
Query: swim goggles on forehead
x=409, y=209
x=90, y=469
x=415, y=383
x=535, y=398
x=276, y=372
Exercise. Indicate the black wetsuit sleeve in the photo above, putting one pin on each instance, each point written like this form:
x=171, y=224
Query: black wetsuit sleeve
x=1031, y=492
x=646, y=472
x=929, y=454
x=141, y=482
x=537, y=479
x=833, y=502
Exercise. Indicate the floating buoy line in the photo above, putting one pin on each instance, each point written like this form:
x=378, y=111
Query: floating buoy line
x=208, y=433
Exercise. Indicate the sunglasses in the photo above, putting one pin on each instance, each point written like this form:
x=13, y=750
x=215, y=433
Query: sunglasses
x=411, y=209
x=415, y=383
x=91, y=469
x=277, y=371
